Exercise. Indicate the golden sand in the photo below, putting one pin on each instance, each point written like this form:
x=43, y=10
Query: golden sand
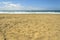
x=29, y=27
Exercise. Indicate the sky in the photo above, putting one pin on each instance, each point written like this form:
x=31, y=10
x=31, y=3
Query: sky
x=29, y=4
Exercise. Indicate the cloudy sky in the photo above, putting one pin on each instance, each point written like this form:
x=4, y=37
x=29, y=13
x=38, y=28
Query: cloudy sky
x=29, y=4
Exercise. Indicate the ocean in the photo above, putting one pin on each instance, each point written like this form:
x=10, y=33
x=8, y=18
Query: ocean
x=29, y=11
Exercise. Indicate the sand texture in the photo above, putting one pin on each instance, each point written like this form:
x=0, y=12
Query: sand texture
x=29, y=27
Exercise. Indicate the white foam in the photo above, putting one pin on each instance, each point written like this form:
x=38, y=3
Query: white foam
x=29, y=13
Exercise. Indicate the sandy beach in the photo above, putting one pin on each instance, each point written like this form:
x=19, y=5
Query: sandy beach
x=29, y=27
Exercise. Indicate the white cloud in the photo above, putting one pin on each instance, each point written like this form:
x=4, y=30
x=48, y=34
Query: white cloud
x=16, y=6
x=9, y=6
x=35, y=8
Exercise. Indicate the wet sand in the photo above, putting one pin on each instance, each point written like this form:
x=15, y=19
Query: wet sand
x=29, y=27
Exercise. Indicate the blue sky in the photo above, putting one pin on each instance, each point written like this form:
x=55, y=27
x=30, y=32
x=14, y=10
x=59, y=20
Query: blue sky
x=29, y=4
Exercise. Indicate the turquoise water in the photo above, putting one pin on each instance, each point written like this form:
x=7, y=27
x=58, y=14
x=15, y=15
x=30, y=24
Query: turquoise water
x=29, y=10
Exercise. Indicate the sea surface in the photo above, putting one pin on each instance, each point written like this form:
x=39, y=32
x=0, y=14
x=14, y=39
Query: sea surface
x=30, y=11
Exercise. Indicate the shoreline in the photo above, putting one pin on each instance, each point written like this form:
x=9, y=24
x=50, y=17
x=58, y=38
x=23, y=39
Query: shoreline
x=29, y=12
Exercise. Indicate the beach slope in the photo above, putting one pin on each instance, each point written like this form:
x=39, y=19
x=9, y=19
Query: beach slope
x=29, y=27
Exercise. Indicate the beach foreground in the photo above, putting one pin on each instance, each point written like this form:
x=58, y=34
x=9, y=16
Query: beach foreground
x=29, y=27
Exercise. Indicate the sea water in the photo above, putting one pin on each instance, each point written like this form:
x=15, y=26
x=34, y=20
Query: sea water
x=29, y=11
